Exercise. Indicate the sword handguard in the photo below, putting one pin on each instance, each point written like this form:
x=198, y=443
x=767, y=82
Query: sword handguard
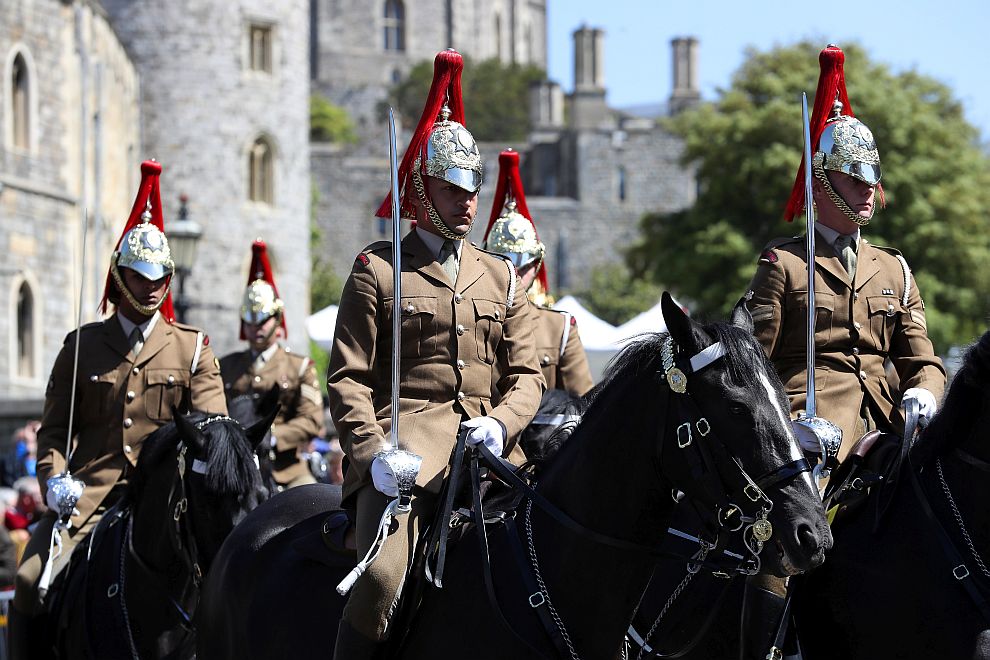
x=829, y=438
x=404, y=466
x=68, y=490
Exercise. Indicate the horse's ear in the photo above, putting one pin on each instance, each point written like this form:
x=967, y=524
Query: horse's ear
x=679, y=324
x=257, y=431
x=741, y=318
x=188, y=430
x=269, y=401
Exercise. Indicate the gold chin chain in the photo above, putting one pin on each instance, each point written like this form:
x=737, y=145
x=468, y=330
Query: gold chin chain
x=435, y=218
x=146, y=310
x=840, y=203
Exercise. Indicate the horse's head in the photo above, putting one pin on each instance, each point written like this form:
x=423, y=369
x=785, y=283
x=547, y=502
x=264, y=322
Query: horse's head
x=963, y=421
x=729, y=444
x=197, y=475
x=249, y=409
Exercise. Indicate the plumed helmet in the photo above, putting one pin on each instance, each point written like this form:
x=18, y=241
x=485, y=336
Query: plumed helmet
x=841, y=142
x=441, y=146
x=261, y=300
x=511, y=231
x=142, y=246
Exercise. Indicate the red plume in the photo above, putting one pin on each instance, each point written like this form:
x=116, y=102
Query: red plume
x=261, y=269
x=148, y=191
x=509, y=187
x=446, y=89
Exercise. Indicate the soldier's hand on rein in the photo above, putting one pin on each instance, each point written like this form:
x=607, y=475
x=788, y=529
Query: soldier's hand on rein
x=383, y=478
x=485, y=430
x=926, y=400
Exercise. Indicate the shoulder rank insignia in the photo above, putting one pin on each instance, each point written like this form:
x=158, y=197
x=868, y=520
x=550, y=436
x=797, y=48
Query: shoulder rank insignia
x=206, y=340
x=769, y=257
x=362, y=259
x=573, y=321
x=887, y=292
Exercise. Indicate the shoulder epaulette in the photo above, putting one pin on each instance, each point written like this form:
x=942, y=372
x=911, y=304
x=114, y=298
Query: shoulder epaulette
x=86, y=327
x=905, y=269
x=511, y=293
x=769, y=253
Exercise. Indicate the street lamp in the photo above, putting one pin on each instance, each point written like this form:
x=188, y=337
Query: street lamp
x=183, y=239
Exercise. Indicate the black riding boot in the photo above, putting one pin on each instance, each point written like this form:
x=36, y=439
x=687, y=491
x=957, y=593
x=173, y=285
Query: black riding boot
x=352, y=645
x=761, y=616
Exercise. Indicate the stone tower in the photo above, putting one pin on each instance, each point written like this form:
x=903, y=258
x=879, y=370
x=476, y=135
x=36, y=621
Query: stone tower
x=685, y=93
x=225, y=109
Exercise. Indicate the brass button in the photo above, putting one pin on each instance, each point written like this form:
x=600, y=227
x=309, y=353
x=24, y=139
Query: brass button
x=460, y=396
x=856, y=296
x=171, y=380
x=460, y=364
x=857, y=325
x=257, y=379
x=458, y=298
x=410, y=309
x=855, y=351
x=131, y=395
x=128, y=423
x=128, y=449
x=546, y=359
x=135, y=371
x=497, y=315
x=862, y=374
x=460, y=329
x=92, y=378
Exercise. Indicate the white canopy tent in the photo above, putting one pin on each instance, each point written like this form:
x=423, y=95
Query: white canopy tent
x=319, y=326
x=649, y=321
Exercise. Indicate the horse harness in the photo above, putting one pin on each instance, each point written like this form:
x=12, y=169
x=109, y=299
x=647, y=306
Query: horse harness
x=717, y=470
x=183, y=542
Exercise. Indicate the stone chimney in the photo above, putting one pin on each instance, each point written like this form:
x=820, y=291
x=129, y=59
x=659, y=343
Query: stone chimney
x=685, y=57
x=588, y=109
x=546, y=105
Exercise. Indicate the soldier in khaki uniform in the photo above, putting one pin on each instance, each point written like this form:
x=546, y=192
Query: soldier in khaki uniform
x=512, y=233
x=868, y=309
x=133, y=368
x=267, y=364
x=461, y=315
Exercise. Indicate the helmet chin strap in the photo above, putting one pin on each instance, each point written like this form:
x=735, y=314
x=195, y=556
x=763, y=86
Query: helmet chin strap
x=146, y=310
x=435, y=218
x=838, y=201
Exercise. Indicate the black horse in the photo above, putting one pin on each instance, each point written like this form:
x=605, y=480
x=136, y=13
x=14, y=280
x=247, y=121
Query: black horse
x=908, y=586
x=272, y=589
x=133, y=585
x=249, y=409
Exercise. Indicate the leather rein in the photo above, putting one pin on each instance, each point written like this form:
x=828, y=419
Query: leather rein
x=723, y=481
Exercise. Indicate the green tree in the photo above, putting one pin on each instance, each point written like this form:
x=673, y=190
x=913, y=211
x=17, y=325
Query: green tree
x=615, y=295
x=329, y=122
x=496, y=97
x=747, y=146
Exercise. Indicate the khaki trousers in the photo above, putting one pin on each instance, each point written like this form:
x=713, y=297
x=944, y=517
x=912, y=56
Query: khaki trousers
x=376, y=593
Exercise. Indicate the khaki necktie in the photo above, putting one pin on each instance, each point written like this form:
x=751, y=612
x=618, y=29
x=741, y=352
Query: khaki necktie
x=137, y=340
x=845, y=247
x=448, y=259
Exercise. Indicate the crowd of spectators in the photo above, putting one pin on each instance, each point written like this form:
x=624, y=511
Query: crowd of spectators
x=20, y=498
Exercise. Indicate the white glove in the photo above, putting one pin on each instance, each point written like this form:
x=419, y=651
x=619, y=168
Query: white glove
x=926, y=400
x=383, y=479
x=51, y=501
x=485, y=430
x=806, y=439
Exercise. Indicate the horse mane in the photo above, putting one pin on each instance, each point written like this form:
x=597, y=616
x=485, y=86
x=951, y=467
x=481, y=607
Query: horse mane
x=229, y=459
x=961, y=407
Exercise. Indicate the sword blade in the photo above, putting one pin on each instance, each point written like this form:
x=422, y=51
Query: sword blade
x=809, y=407
x=396, y=281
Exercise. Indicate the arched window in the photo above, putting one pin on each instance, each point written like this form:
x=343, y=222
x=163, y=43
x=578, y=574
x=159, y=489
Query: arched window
x=20, y=95
x=24, y=332
x=622, y=183
x=395, y=25
x=261, y=172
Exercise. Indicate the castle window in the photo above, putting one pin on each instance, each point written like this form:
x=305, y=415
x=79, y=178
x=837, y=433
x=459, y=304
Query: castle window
x=261, y=172
x=622, y=183
x=395, y=25
x=25, y=332
x=260, y=47
x=20, y=94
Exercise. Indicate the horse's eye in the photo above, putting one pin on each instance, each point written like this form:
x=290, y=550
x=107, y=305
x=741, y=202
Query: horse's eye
x=737, y=409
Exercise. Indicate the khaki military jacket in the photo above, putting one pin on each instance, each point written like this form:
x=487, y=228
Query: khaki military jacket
x=301, y=414
x=454, y=339
x=120, y=399
x=559, y=349
x=858, y=325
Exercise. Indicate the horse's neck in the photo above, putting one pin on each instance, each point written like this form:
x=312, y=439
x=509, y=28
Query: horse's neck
x=969, y=487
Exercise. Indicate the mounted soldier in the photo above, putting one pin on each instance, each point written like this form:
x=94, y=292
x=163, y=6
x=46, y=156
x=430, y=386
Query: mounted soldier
x=120, y=383
x=460, y=316
x=512, y=233
x=867, y=307
x=267, y=364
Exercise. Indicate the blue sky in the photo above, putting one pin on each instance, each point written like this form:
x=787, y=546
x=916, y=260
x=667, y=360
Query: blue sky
x=945, y=40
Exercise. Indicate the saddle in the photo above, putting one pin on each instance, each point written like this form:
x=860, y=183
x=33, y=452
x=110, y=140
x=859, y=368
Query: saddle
x=871, y=467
